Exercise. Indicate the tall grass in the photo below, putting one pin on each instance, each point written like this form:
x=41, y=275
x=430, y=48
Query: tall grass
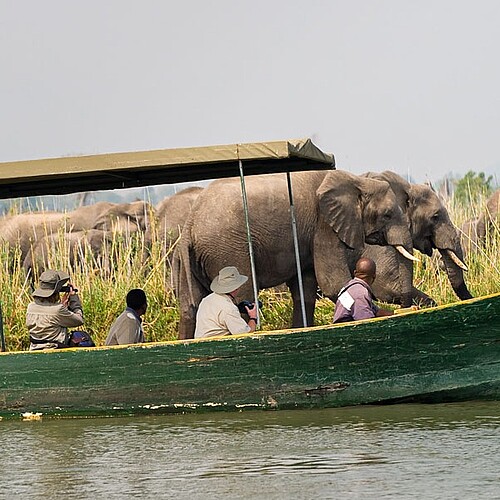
x=128, y=262
x=483, y=275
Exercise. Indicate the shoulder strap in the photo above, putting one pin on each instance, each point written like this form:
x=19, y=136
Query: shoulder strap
x=362, y=283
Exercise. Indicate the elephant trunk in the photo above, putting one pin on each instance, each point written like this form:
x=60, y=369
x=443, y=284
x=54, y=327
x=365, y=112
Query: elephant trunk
x=406, y=280
x=403, y=245
x=455, y=274
x=447, y=241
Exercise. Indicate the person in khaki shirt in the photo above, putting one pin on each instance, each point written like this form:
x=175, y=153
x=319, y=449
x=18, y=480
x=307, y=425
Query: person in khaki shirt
x=218, y=313
x=48, y=317
x=127, y=328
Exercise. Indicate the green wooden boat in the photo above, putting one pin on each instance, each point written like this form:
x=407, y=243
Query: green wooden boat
x=442, y=354
x=447, y=353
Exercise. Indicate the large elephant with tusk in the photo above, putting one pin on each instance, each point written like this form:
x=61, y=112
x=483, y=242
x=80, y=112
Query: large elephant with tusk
x=337, y=213
x=431, y=229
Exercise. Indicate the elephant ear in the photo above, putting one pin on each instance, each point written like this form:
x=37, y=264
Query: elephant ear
x=139, y=211
x=400, y=187
x=339, y=201
x=135, y=209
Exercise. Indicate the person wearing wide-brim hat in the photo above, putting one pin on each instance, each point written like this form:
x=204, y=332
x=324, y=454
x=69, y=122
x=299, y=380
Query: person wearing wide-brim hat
x=217, y=313
x=48, y=317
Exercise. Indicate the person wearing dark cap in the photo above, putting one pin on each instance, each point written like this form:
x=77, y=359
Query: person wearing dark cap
x=218, y=313
x=355, y=300
x=127, y=328
x=49, y=316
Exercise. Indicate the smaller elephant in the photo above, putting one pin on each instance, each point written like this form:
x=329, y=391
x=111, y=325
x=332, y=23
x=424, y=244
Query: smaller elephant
x=65, y=250
x=106, y=216
x=470, y=236
x=475, y=233
x=24, y=230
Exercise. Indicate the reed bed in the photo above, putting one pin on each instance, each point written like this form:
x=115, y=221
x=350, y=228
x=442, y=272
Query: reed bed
x=129, y=262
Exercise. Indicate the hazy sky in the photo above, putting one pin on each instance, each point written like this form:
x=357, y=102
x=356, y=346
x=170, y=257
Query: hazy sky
x=411, y=86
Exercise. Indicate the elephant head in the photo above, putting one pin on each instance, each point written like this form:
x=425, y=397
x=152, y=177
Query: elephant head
x=430, y=226
x=361, y=211
x=128, y=217
x=85, y=217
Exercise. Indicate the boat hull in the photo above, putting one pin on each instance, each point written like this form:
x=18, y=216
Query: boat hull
x=448, y=353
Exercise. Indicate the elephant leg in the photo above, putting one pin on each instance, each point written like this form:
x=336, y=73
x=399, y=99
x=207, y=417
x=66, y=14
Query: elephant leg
x=187, y=323
x=310, y=285
x=421, y=299
x=188, y=306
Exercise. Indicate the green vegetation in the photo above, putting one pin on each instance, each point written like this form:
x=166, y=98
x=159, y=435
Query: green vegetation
x=104, y=283
x=473, y=188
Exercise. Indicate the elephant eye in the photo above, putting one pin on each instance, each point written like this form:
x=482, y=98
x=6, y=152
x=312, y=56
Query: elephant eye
x=388, y=214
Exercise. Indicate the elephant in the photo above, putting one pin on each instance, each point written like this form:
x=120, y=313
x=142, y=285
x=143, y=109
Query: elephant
x=336, y=213
x=475, y=232
x=472, y=235
x=431, y=228
x=122, y=217
x=23, y=230
x=171, y=214
x=76, y=246
x=26, y=229
x=491, y=216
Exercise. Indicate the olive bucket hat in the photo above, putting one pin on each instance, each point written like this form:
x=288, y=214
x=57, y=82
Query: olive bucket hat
x=51, y=282
x=228, y=280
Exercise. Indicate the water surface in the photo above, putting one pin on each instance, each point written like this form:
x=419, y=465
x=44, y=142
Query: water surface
x=403, y=451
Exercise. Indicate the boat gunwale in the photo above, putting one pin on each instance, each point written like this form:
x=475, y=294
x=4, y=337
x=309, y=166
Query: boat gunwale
x=260, y=334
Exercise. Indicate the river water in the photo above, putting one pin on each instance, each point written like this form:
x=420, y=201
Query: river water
x=403, y=451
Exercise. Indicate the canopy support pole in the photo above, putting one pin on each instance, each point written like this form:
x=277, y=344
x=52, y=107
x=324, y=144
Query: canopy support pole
x=296, y=248
x=249, y=239
x=2, y=337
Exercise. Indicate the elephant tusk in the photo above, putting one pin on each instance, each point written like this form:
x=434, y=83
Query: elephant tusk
x=456, y=260
x=402, y=250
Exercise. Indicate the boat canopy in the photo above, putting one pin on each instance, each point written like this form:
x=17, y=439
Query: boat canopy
x=163, y=166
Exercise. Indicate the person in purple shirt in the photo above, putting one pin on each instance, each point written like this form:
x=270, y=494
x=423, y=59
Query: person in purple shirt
x=355, y=300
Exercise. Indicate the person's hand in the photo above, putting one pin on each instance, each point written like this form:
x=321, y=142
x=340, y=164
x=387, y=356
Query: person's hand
x=66, y=296
x=250, y=309
x=65, y=299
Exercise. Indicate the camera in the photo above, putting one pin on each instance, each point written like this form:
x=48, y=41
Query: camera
x=68, y=288
x=247, y=303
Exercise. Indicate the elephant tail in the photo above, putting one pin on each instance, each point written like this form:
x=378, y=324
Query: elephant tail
x=181, y=267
